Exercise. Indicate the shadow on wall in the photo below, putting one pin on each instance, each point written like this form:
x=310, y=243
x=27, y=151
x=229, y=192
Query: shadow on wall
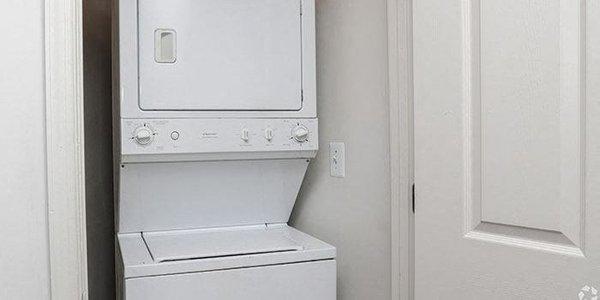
x=98, y=147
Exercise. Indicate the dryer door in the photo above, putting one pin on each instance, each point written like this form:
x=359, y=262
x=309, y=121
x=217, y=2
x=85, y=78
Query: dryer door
x=220, y=55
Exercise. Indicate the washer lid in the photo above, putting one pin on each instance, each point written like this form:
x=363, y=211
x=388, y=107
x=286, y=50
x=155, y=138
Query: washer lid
x=222, y=55
x=220, y=242
x=187, y=251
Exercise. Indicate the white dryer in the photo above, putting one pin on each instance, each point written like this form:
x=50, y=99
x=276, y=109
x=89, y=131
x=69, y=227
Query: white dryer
x=215, y=125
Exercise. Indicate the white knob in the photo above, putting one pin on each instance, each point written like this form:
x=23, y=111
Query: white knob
x=245, y=135
x=269, y=134
x=143, y=135
x=300, y=133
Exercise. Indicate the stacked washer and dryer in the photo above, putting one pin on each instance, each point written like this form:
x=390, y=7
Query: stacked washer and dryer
x=215, y=125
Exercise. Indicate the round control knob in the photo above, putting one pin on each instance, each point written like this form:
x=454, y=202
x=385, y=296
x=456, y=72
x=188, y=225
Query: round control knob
x=300, y=133
x=143, y=135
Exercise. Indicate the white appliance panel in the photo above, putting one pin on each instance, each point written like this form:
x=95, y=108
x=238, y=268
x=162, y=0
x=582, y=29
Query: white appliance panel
x=300, y=281
x=188, y=195
x=222, y=55
x=218, y=137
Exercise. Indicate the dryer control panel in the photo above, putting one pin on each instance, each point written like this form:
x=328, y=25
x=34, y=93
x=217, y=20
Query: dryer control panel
x=205, y=136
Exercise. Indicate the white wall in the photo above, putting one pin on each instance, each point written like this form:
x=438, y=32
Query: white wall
x=352, y=213
x=24, y=264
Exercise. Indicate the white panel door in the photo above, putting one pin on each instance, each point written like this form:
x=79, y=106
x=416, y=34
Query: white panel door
x=507, y=149
x=220, y=54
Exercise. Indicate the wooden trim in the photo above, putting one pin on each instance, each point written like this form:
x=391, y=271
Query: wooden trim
x=401, y=146
x=65, y=157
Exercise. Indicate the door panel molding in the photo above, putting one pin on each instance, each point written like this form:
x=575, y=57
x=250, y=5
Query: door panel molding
x=527, y=73
x=518, y=221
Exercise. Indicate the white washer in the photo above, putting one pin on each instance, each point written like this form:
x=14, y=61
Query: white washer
x=248, y=262
x=215, y=125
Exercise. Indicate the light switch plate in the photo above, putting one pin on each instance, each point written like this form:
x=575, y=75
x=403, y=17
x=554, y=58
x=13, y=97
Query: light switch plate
x=337, y=159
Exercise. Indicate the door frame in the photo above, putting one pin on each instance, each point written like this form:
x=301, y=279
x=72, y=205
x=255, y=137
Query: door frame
x=65, y=149
x=400, y=87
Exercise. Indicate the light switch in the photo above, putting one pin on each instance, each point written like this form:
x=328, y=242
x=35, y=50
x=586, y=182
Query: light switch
x=337, y=159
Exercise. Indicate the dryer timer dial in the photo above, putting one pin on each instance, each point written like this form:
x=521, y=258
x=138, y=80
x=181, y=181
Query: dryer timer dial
x=300, y=133
x=143, y=135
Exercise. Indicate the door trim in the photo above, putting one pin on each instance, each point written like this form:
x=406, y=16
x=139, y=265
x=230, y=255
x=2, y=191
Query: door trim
x=64, y=149
x=400, y=87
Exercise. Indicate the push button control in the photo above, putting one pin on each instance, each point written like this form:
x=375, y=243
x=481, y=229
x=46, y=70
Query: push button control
x=175, y=135
x=245, y=135
x=269, y=134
